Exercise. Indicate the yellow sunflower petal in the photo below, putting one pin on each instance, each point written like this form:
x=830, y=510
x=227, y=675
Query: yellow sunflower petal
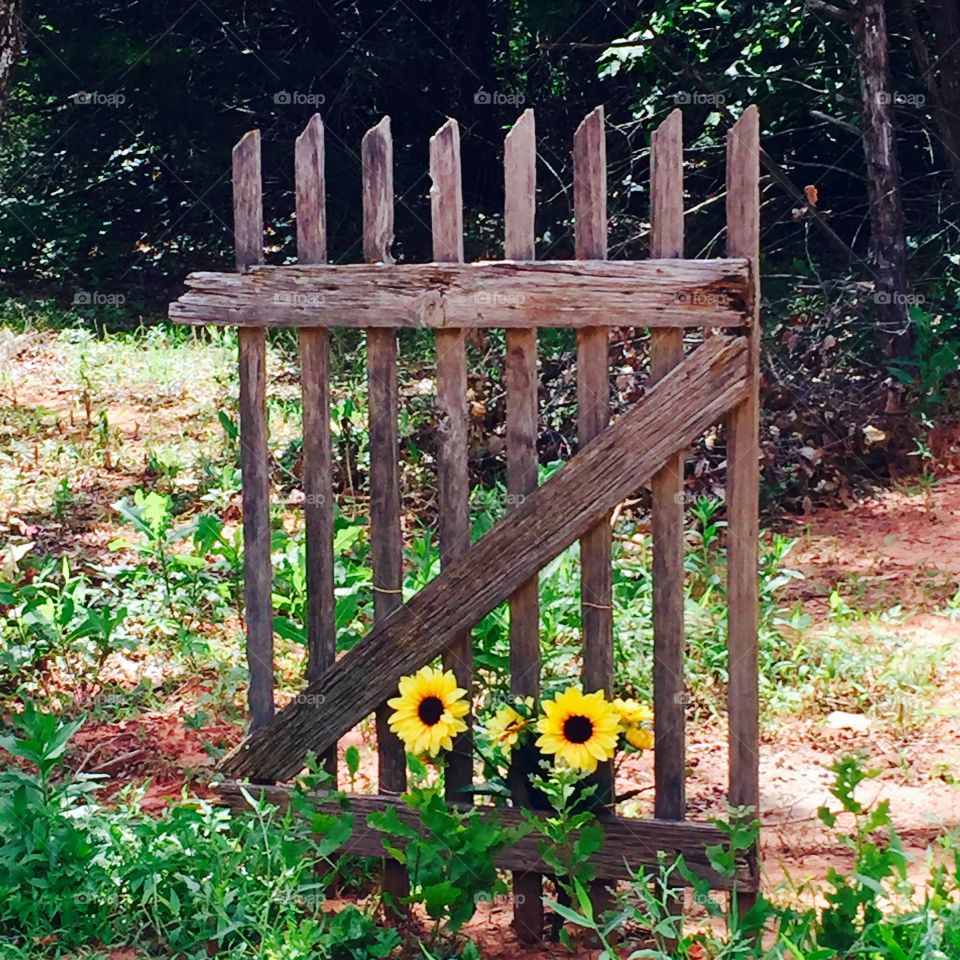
x=579, y=729
x=426, y=731
x=639, y=738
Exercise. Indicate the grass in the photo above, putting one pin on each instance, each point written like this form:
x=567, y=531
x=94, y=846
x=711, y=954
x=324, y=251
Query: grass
x=95, y=414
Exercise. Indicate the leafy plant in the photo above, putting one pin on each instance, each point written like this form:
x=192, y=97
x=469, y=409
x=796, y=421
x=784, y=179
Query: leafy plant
x=54, y=620
x=449, y=853
x=856, y=901
x=53, y=865
x=569, y=836
x=871, y=911
x=195, y=878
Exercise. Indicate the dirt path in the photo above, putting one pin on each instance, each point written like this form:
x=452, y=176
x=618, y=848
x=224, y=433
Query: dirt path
x=901, y=550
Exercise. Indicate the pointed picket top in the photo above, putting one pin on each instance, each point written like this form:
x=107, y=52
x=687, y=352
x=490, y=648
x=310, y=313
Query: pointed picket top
x=247, y=201
x=311, y=193
x=520, y=188
x=590, y=187
x=743, y=179
x=377, y=156
x=446, y=194
x=666, y=188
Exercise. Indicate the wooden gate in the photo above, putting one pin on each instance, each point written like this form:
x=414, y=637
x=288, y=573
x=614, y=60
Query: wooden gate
x=688, y=391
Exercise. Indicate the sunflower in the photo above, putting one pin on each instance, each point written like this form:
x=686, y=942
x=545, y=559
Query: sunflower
x=632, y=713
x=508, y=725
x=428, y=711
x=581, y=729
x=632, y=717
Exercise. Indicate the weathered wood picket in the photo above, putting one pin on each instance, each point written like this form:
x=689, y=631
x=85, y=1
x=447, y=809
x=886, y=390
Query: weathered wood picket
x=688, y=391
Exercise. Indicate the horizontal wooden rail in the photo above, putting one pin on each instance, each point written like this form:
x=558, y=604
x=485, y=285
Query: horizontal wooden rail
x=689, y=399
x=628, y=843
x=510, y=294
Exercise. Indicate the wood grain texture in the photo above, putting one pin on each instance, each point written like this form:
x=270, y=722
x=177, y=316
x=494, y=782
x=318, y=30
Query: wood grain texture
x=376, y=152
x=520, y=155
x=590, y=187
x=247, y=202
x=666, y=350
x=386, y=540
x=453, y=478
x=446, y=194
x=254, y=451
x=628, y=843
x=645, y=293
x=520, y=188
x=311, y=194
x=386, y=536
x=698, y=391
x=593, y=414
x=743, y=483
x=520, y=375
x=315, y=390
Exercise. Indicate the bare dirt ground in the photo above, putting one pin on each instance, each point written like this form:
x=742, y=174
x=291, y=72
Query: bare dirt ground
x=903, y=548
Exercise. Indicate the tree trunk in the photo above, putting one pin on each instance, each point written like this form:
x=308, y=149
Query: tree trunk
x=11, y=43
x=888, y=243
x=940, y=74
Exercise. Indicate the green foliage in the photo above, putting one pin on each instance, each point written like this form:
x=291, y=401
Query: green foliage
x=870, y=912
x=571, y=834
x=934, y=361
x=353, y=579
x=855, y=902
x=857, y=662
x=197, y=878
x=196, y=565
x=194, y=878
x=449, y=856
x=54, y=865
x=54, y=618
x=650, y=901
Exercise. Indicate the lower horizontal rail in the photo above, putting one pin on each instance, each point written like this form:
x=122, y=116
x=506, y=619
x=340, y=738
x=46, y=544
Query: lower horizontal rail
x=628, y=843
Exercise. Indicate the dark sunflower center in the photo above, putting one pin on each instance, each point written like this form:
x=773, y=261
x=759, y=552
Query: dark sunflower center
x=430, y=710
x=577, y=729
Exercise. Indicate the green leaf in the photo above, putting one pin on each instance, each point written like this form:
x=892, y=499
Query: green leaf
x=583, y=898
x=568, y=913
x=388, y=821
x=437, y=897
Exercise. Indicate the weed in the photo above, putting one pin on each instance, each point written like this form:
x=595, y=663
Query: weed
x=192, y=881
x=449, y=856
x=53, y=624
x=870, y=911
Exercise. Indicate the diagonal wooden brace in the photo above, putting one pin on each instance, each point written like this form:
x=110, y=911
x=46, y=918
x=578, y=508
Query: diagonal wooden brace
x=690, y=398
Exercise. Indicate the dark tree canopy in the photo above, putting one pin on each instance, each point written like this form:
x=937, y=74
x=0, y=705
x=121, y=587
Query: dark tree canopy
x=115, y=163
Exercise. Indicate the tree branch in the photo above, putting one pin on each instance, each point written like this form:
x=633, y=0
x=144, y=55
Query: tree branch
x=830, y=10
